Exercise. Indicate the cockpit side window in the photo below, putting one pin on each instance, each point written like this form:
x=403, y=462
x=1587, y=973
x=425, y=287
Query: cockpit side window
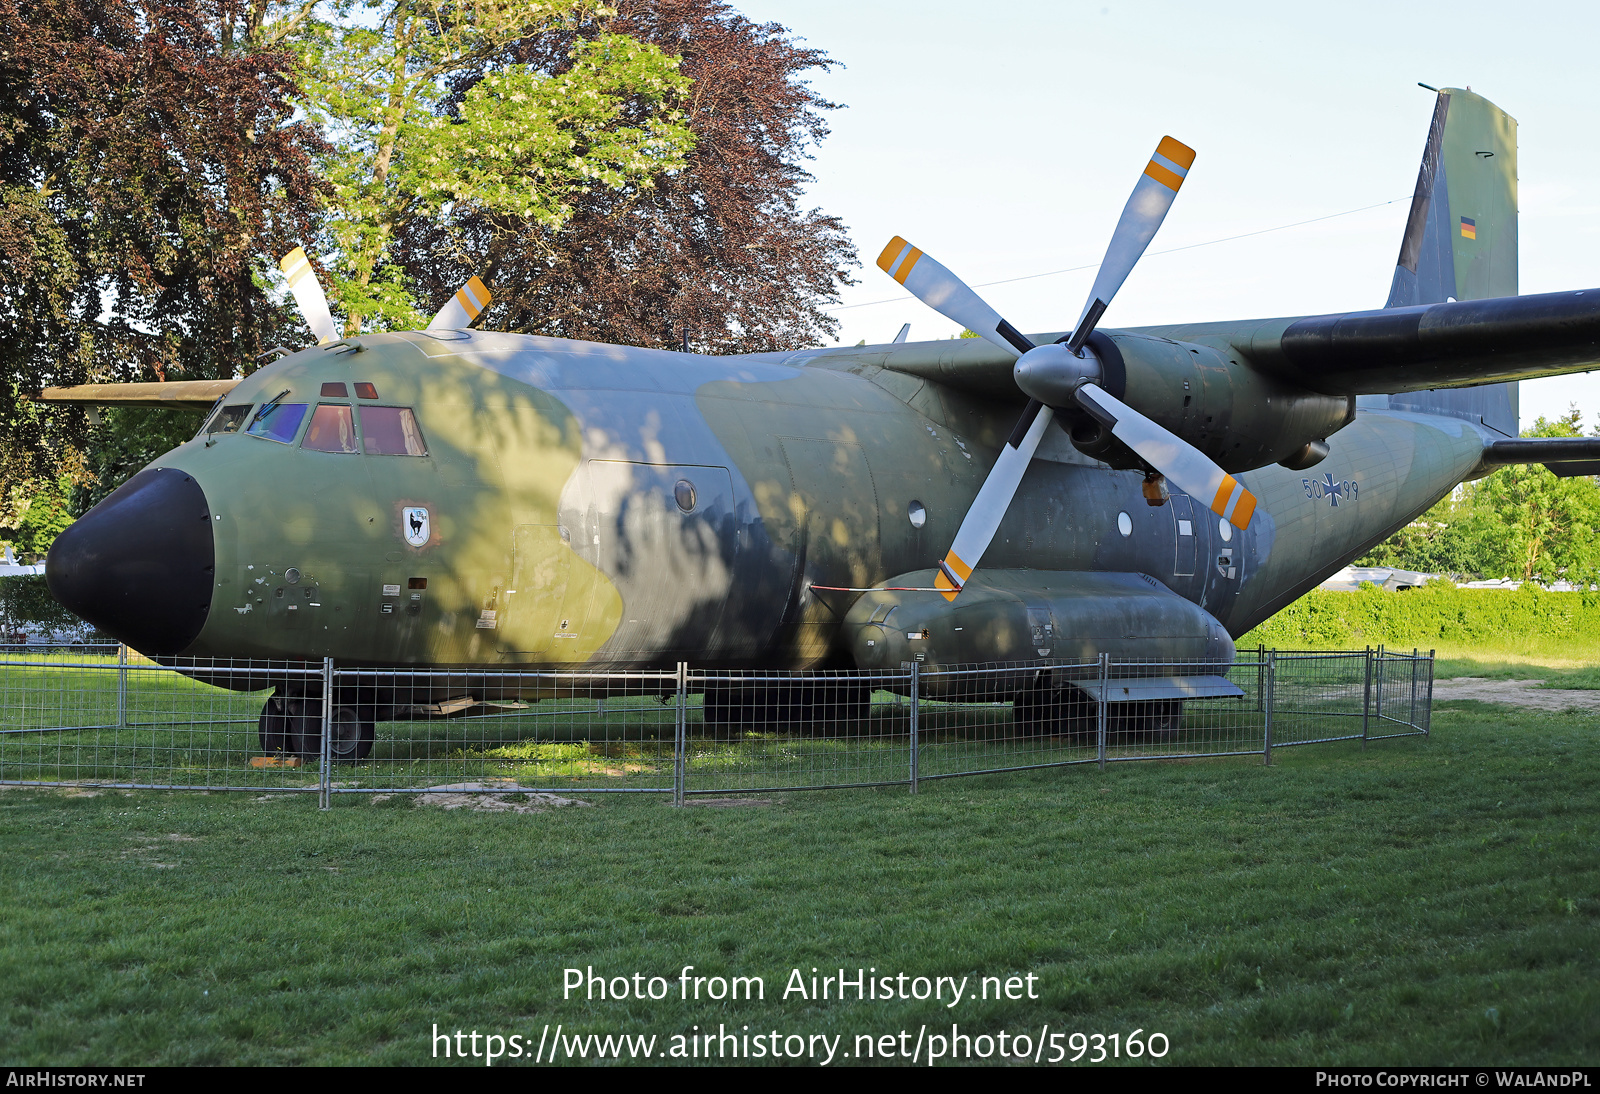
x=391, y=431
x=332, y=429
x=227, y=419
x=278, y=422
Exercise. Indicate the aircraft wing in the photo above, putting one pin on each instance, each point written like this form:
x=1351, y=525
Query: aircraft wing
x=1454, y=344
x=195, y=395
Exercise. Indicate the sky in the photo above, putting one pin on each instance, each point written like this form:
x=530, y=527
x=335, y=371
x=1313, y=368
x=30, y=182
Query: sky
x=1004, y=139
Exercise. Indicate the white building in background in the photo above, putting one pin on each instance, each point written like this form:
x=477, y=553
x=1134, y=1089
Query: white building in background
x=1349, y=579
x=10, y=567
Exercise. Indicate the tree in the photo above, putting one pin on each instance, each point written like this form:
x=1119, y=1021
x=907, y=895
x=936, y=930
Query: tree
x=1521, y=522
x=519, y=143
x=146, y=171
x=1549, y=527
x=721, y=249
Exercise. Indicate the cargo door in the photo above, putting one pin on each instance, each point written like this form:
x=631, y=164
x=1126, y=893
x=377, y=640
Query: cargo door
x=667, y=537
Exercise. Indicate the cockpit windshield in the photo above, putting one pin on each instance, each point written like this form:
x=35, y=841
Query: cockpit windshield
x=227, y=419
x=391, y=431
x=278, y=422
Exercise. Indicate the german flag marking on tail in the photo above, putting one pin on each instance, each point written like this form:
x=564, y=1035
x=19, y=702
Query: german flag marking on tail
x=1469, y=228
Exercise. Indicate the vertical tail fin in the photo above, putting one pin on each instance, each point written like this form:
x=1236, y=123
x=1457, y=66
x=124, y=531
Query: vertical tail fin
x=1461, y=238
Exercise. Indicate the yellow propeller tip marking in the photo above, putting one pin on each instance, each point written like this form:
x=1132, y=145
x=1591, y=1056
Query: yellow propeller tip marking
x=1166, y=178
x=1176, y=151
x=891, y=252
x=1219, y=504
x=295, y=265
x=1243, y=511
x=473, y=298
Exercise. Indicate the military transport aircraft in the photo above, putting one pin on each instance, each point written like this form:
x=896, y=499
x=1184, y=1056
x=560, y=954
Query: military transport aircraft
x=460, y=498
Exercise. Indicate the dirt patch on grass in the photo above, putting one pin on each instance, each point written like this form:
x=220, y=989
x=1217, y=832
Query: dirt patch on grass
x=1518, y=693
x=490, y=796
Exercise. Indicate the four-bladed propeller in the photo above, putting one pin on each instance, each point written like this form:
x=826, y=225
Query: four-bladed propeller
x=459, y=311
x=1073, y=369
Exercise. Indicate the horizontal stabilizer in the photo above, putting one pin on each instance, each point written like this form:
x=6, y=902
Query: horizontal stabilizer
x=1568, y=457
x=173, y=395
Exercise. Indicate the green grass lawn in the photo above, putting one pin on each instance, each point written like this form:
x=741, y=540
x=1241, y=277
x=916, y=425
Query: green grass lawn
x=1422, y=901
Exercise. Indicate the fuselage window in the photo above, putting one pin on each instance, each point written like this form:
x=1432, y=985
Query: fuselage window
x=334, y=390
x=228, y=419
x=391, y=431
x=332, y=429
x=278, y=422
x=366, y=391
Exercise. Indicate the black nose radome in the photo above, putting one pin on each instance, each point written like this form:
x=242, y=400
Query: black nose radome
x=140, y=564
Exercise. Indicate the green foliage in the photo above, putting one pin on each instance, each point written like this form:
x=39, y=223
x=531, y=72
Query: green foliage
x=1438, y=615
x=41, y=517
x=148, y=166
x=25, y=599
x=127, y=439
x=377, y=76
x=1521, y=522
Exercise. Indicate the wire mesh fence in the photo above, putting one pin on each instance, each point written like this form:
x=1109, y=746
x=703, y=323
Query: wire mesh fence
x=107, y=716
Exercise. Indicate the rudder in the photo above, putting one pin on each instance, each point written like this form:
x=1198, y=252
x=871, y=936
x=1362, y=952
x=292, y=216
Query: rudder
x=1460, y=241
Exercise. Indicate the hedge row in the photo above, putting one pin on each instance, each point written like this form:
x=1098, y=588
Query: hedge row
x=1438, y=615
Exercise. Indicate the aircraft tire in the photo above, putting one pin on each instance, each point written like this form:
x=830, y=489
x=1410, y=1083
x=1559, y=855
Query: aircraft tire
x=273, y=726
x=1052, y=712
x=353, y=735
x=1153, y=720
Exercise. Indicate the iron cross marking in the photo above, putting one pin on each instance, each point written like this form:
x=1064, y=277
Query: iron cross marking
x=1334, y=490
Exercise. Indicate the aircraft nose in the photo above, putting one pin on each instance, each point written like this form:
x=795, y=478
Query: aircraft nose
x=140, y=565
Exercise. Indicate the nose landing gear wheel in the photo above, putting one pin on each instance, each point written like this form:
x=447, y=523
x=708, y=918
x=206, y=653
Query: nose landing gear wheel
x=353, y=734
x=292, y=726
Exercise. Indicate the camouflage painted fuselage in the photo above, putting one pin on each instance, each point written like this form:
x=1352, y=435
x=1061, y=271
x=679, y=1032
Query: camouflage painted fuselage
x=558, y=532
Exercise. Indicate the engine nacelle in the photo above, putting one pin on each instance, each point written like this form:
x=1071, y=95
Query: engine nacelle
x=1239, y=417
x=1040, y=616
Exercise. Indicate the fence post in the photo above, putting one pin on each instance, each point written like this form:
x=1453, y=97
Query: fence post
x=1366, y=699
x=325, y=781
x=1101, y=709
x=916, y=703
x=1261, y=677
x=122, y=685
x=680, y=736
x=1269, y=702
x=1415, y=656
x=1427, y=709
x=1377, y=698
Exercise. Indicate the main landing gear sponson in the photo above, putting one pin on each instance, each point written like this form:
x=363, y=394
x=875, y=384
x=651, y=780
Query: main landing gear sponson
x=291, y=725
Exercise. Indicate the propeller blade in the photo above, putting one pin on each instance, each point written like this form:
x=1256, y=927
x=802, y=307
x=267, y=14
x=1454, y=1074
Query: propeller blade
x=1193, y=472
x=944, y=292
x=994, y=498
x=308, y=294
x=1146, y=209
x=465, y=306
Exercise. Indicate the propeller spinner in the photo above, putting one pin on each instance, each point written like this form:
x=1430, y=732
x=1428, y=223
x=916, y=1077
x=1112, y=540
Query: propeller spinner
x=1073, y=370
